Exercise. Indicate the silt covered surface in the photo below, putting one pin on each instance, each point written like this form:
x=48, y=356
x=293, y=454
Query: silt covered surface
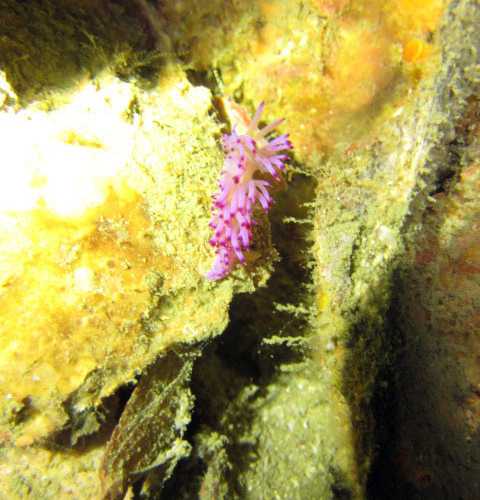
x=125, y=372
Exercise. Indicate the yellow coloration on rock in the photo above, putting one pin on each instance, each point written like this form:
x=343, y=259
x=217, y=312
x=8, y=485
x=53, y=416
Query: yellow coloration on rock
x=334, y=69
x=409, y=17
x=76, y=256
x=347, y=57
x=99, y=271
x=353, y=87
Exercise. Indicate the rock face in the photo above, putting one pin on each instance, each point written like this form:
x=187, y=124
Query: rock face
x=101, y=271
x=437, y=413
x=347, y=365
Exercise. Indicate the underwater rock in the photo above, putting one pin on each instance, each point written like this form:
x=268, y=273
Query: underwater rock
x=333, y=68
x=115, y=379
x=376, y=207
x=104, y=213
x=437, y=414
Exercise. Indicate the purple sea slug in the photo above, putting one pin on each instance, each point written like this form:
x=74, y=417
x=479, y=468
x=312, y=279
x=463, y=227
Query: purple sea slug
x=250, y=160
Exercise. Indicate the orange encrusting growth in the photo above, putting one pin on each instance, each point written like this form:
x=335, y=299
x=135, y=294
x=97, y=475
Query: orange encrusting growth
x=352, y=63
x=416, y=50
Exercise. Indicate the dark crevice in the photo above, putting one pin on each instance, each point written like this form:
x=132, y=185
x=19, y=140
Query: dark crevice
x=382, y=482
x=209, y=78
x=239, y=360
x=91, y=427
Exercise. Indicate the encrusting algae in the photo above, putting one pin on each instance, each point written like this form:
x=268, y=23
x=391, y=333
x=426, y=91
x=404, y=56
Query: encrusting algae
x=107, y=343
x=93, y=284
x=355, y=60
